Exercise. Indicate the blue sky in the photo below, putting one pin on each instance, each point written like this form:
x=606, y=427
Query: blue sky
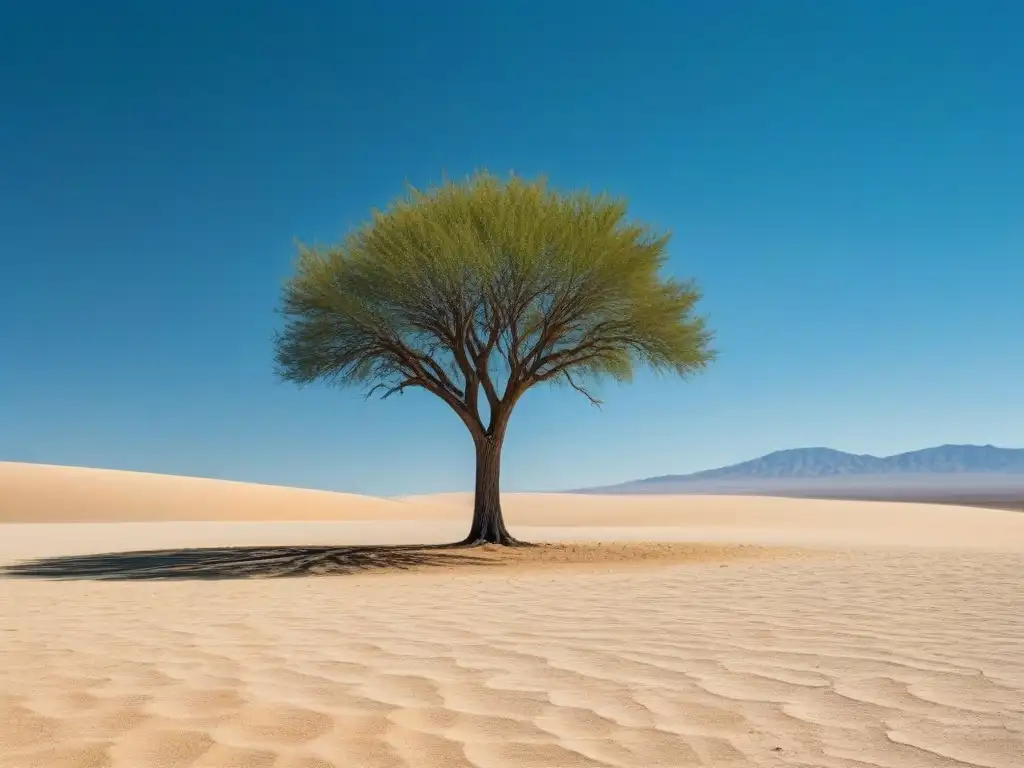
x=844, y=179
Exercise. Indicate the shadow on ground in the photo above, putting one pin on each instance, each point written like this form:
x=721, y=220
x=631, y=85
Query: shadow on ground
x=241, y=563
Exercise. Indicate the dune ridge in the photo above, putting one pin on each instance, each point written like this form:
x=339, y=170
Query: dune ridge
x=56, y=494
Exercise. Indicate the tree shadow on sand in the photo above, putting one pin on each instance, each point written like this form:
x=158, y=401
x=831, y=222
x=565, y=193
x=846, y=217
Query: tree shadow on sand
x=241, y=563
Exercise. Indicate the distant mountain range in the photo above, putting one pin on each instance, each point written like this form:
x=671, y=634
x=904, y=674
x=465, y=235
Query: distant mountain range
x=826, y=462
x=952, y=471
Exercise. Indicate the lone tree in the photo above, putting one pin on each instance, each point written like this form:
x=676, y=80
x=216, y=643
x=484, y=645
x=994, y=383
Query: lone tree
x=478, y=291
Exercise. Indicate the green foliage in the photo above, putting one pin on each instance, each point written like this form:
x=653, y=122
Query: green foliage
x=489, y=285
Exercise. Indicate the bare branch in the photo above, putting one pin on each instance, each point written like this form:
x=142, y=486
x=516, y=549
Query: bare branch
x=593, y=400
x=483, y=357
x=566, y=310
x=439, y=384
x=420, y=366
x=399, y=388
x=582, y=352
x=459, y=342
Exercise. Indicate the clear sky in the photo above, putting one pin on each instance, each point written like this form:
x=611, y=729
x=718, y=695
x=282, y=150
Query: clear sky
x=845, y=179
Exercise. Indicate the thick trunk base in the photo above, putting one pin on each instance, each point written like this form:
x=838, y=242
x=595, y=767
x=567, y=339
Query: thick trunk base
x=491, y=535
x=505, y=541
x=488, y=522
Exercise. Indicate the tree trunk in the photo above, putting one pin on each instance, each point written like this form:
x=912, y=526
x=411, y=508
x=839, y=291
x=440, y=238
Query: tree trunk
x=488, y=523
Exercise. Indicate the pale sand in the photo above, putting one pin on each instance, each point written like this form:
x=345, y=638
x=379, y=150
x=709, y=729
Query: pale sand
x=899, y=642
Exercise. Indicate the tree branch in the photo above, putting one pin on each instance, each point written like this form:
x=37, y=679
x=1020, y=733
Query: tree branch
x=593, y=400
x=482, y=362
x=399, y=388
x=586, y=350
x=567, y=309
x=440, y=385
x=459, y=342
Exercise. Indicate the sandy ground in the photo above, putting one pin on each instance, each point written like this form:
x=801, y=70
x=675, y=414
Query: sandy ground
x=839, y=634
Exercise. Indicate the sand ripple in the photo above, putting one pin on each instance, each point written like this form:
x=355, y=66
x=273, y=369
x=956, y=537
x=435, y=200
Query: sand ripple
x=867, y=660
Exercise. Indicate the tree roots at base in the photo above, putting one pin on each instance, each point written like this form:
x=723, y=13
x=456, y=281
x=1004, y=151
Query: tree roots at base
x=504, y=541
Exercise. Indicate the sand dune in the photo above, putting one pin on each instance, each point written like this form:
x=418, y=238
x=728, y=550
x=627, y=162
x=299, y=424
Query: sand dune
x=42, y=493
x=31, y=493
x=898, y=642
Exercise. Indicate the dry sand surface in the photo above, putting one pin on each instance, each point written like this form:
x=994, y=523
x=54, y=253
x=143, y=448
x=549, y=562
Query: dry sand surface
x=841, y=634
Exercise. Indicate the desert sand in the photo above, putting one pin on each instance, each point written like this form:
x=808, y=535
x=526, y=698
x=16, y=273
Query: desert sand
x=145, y=622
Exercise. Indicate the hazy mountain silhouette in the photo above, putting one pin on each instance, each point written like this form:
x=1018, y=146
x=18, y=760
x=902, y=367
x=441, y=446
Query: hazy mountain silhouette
x=944, y=472
x=826, y=462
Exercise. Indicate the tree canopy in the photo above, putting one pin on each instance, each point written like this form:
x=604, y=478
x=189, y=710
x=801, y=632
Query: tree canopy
x=477, y=291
